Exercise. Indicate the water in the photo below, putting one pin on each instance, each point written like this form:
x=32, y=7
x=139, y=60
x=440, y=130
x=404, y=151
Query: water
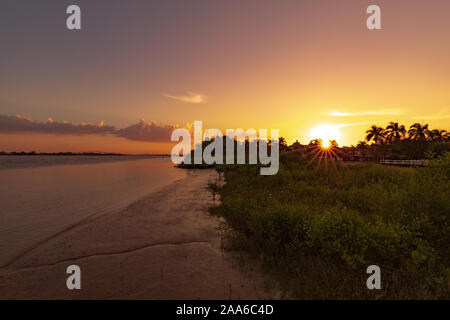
x=14, y=162
x=38, y=202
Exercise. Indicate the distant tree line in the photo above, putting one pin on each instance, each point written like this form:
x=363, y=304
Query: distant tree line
x=34, y=153
x=396, y=142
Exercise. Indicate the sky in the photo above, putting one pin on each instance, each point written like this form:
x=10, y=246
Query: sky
x=138, y=69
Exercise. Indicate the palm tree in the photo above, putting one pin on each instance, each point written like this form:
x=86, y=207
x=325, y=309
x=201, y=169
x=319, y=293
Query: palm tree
x=394, y=131
x=375, y=134
x=282, y=143
x=437, y=135
x=418, y=131
x=362, y=145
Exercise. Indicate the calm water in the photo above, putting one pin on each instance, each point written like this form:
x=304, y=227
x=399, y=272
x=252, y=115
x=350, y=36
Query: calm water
x=36, y=203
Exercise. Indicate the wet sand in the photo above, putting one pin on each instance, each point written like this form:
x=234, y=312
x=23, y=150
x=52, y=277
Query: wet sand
x=164, y=246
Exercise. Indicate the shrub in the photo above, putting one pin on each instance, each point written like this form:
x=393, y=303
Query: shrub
x=365, y=214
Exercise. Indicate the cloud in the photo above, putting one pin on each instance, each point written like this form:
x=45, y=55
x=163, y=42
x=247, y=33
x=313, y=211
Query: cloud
x=390, y=112
x=147, y=131
x=18, y=123
x=443, y=114
x=437, y=117
x=189, y=97
x=352, y=124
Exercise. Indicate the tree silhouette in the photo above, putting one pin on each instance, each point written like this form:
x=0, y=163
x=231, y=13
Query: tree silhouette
x=282, y=143
x=362, y=145
x=375, y=134
x=437, y=135
x=334, y=144
x=315, y=142
x=418, y=131
x=394, y=131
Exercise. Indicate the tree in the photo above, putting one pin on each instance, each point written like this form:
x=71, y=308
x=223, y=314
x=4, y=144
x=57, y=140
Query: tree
x=214, y=189
x=282, y=143
x=394, y=131
x=375, y=134
x=334, y=144
x=418, y=131
x=315, y=142
x=362, y=145
x=437, y=135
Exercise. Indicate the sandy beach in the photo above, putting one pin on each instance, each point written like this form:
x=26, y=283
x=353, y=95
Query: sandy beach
x=164, y=246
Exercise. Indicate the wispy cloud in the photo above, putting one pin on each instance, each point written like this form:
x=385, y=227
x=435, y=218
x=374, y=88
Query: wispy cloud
x=431, y=117
x=386, y=112
x=189, y=97
x=443, y=114
x=352, y=124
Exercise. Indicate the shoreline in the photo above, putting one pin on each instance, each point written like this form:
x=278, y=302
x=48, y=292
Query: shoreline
x=10, y=162
x=163, y=246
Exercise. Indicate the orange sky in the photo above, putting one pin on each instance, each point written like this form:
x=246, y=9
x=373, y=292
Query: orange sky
x=288, y=65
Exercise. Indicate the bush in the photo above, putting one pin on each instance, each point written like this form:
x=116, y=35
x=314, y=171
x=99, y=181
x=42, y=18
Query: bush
x=358, y=215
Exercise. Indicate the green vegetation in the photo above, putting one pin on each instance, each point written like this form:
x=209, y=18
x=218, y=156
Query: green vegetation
x=316, y=231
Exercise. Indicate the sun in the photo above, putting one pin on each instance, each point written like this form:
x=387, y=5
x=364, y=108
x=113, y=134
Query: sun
x=326, y=133
x=326, y=144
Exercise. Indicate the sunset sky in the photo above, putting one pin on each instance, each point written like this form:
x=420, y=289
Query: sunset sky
x=288, y=65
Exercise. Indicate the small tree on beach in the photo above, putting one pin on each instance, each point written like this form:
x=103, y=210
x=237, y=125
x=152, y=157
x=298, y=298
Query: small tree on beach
x=214, y=189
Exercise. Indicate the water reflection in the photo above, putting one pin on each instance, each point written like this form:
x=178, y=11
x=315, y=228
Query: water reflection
x=40, y=202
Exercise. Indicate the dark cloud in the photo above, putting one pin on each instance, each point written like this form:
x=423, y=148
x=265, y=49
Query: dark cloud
x=17, y=124
x=141, y=131
x=147, y=131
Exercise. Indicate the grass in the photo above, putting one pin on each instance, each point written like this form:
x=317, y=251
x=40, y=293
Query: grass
x=317, y=232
